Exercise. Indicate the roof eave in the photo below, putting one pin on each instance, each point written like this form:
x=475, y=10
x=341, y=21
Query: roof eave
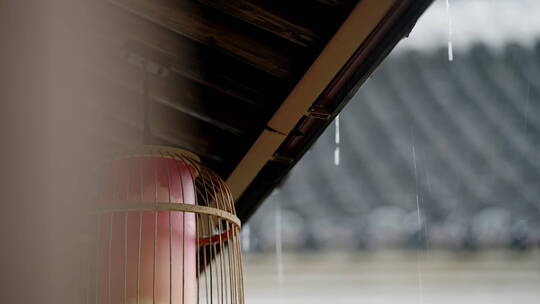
x=367, y=36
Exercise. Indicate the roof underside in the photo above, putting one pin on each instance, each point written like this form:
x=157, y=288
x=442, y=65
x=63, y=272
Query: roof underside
x=217, y=72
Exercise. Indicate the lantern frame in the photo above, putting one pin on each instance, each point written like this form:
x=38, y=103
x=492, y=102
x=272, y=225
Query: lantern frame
x=219, y=277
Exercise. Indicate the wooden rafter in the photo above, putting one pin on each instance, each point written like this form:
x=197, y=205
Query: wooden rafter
x=190, y=20
x=250, y=12
x=124, y=30
x=337, y=3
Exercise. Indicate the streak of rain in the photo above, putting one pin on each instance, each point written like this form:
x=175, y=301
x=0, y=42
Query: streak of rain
x=337, y=142
x=526, y=121
x=419, y=219
x=279, y=251
x=449, y=18
x=246, y=246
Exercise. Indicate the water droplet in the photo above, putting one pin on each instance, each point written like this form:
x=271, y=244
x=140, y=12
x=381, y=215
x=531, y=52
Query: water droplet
x=246, y=245
x=337, y=141
x=449, y=18
x=279, y=251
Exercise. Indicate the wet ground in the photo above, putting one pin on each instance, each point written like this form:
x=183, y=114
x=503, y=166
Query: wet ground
x=395, y=277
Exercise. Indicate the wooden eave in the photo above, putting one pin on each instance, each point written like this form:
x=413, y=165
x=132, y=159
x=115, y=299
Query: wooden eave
x=248, y=85
x=366, y=37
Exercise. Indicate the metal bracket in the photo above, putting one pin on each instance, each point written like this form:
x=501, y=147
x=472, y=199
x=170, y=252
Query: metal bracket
x=319, y=113
x=282, y=158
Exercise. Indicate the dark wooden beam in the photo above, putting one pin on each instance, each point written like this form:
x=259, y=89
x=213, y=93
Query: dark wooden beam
x=198, y=68
x=186, y=97
x=338, y=3
x=120, y=133
x=191, y=20
x=250, y=12
x=118, y=112
x=124, y=31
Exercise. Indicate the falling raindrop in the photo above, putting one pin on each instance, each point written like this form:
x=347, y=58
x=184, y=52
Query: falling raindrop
x=246, y=246
x=416, y=187
x=526, y=122
x=449, y=18
x=337, y=141
x=419, y=218
x=279, y=250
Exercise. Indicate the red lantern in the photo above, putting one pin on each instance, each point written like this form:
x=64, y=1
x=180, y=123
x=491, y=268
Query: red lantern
x=147, y=253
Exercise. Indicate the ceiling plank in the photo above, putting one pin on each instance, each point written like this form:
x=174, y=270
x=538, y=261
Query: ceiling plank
x=114, y=130
x=190, y=20
x=256, y=15
x=200, y=69
x=124, y=106
x=183, y=96
x=123, y=31
x=337, y=3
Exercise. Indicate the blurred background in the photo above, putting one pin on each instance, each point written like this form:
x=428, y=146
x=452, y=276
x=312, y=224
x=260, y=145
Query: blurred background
x=428, y=188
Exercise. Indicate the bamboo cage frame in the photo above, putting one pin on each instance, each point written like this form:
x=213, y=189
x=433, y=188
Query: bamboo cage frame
x=218, y=274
